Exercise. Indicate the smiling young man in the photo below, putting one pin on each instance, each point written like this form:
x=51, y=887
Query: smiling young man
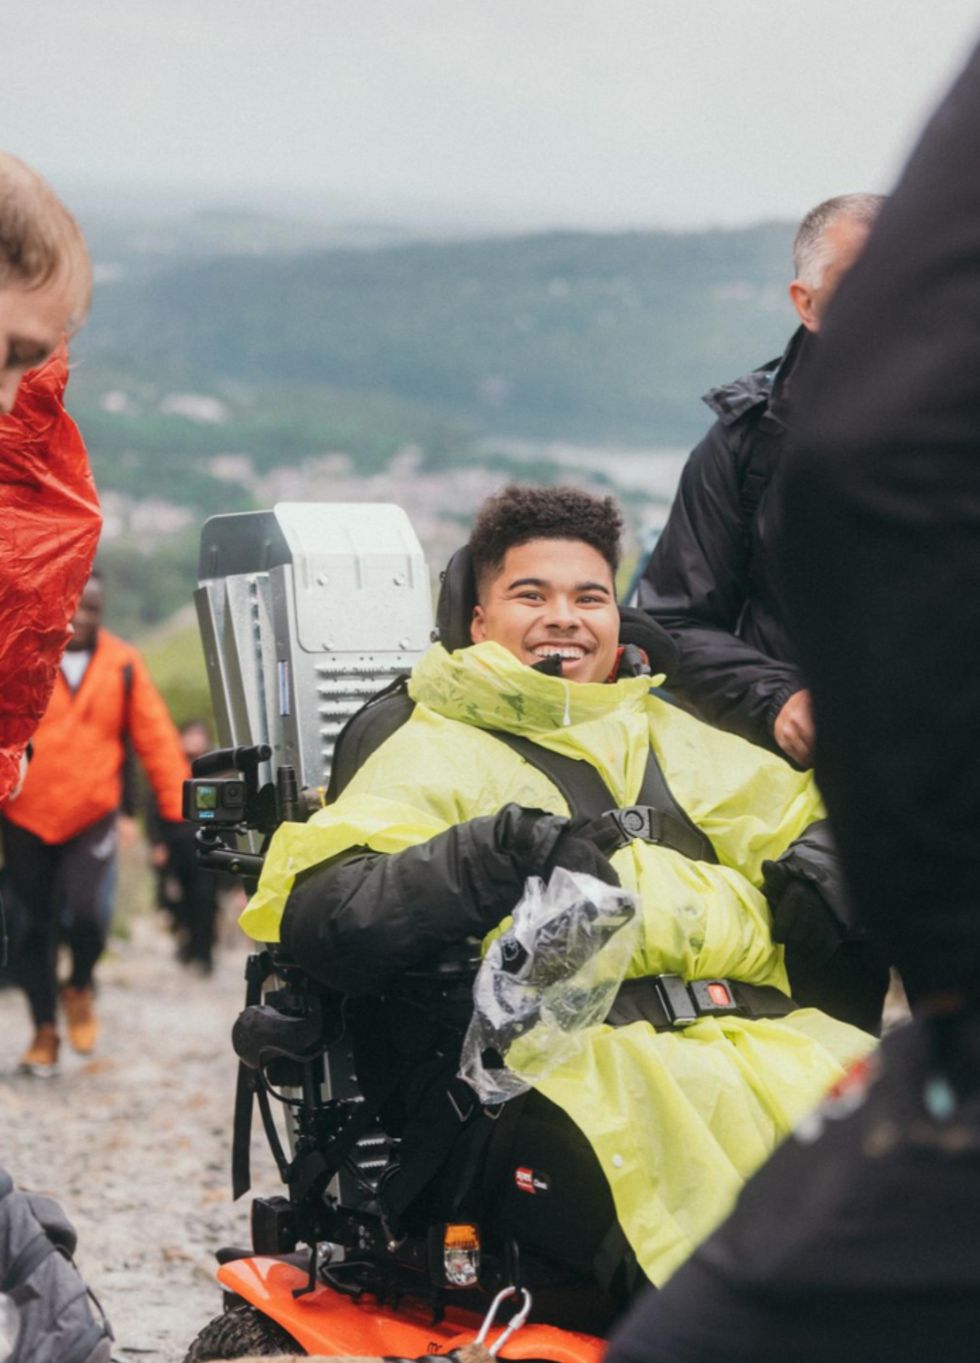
x=648, y=1131
x=552, y=598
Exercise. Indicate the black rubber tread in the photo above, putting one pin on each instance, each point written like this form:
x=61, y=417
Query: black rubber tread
x=238, y=1332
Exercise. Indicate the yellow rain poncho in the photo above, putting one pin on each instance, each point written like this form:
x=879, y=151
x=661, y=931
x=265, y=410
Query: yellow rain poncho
x=677, y=1119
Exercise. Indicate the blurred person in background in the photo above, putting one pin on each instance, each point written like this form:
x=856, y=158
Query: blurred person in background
x=710, y=580
x=858, y=1240
x=189, y=893
x=49, y=513
x=59, y=834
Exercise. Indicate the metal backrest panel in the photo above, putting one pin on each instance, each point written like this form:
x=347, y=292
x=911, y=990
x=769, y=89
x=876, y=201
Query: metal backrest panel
x=236, y=632
x=306, y=611
x=371, y=561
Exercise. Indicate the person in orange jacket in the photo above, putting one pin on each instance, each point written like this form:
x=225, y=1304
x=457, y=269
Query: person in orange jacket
x=49, y=512
x=59, y=834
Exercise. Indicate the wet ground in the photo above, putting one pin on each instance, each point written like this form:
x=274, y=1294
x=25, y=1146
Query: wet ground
x=135, y=1140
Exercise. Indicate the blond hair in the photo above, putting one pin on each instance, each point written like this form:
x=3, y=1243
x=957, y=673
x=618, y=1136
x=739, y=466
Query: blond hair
x=39, y=238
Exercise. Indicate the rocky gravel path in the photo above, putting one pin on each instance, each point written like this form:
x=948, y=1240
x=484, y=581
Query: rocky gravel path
x=135, y=1140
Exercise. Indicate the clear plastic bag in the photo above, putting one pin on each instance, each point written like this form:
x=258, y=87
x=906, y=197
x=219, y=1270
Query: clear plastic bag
x=553, y=973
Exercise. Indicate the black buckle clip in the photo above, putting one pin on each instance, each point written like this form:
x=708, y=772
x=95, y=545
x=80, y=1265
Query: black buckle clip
x=684, y=1003
x=638, y=821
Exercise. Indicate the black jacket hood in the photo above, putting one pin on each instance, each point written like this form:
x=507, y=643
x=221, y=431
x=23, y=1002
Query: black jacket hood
x=770, y=385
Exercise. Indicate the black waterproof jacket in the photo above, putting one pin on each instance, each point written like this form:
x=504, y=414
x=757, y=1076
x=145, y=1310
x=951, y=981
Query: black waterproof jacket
x=887, y=478
x=710, y=579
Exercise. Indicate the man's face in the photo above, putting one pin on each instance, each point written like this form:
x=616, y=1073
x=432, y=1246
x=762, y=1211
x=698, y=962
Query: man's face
x=843, y=240
x=195, y=741
x=32, y=323
x=87, y=618
x=553, y=596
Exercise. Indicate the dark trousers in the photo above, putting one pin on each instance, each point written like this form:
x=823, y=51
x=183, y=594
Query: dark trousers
x=190, y=893
x=45, y=882
x=851, y=985
x=857, y=1241
x=537, y=1187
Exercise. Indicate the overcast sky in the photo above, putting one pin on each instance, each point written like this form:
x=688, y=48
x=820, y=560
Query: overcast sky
x=495, y=113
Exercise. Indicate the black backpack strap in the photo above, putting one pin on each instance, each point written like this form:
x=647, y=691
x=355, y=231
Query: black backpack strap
x=685, y=835
x=257, y=969
x=580, y=785
x=760, y=449
x=365, y=731
x=656, y=817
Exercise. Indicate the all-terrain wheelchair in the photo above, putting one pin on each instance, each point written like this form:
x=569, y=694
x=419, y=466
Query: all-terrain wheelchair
x=306, y=613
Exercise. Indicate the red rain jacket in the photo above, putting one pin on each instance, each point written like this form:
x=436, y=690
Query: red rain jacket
x=49, y=530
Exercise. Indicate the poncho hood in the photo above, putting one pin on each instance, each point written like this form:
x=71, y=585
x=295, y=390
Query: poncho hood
x=485, y=685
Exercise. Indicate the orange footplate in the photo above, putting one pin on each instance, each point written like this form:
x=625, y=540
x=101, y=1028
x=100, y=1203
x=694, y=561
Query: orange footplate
x=326, y=1322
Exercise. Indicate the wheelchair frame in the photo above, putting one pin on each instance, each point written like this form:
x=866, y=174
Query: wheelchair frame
x=305, y=612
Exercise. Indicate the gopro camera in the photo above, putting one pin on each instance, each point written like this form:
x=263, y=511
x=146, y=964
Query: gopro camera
x=219, y=801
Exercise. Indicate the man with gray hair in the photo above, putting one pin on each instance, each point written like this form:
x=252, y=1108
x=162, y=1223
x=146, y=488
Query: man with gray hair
x=710, y=582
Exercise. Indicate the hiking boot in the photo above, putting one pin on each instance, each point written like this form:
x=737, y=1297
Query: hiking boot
x=41, y=1056
x=83, y=1029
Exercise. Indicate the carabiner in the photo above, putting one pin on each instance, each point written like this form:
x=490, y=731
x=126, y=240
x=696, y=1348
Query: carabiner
x=512, y=1326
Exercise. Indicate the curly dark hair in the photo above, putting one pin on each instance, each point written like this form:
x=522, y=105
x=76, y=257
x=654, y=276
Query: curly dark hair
x=519, y=514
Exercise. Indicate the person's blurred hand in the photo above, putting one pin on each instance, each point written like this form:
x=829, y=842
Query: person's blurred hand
x=158, y=856
x=24, y=762
x=128, y=830
x=237, y=899
x=794, y=729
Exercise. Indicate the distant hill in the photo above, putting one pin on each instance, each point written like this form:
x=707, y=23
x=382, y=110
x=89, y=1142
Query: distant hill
x=583, y=336
x=230, y=350
x=127, y=241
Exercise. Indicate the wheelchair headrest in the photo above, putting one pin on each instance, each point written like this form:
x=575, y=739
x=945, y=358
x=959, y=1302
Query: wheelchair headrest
x=457, y=598
x=638, y=628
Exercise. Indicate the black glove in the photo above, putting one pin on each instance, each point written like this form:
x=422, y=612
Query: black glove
x=539, y=842
x=577, y=852
x=807, y=896
x=802, y=920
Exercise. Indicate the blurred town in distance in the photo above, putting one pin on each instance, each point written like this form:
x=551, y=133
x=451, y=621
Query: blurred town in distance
x=234, y=359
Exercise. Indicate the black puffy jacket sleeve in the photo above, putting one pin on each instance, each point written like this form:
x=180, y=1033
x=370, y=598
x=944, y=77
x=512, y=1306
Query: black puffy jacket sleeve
x=696, y=584
x=358, y=921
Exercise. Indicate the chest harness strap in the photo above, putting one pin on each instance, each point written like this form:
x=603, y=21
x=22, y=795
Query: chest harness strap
x=656, y=817
x=665, y=1001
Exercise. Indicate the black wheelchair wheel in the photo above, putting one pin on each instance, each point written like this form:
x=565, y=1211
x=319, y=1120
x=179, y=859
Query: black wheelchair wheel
x=239, y=1332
